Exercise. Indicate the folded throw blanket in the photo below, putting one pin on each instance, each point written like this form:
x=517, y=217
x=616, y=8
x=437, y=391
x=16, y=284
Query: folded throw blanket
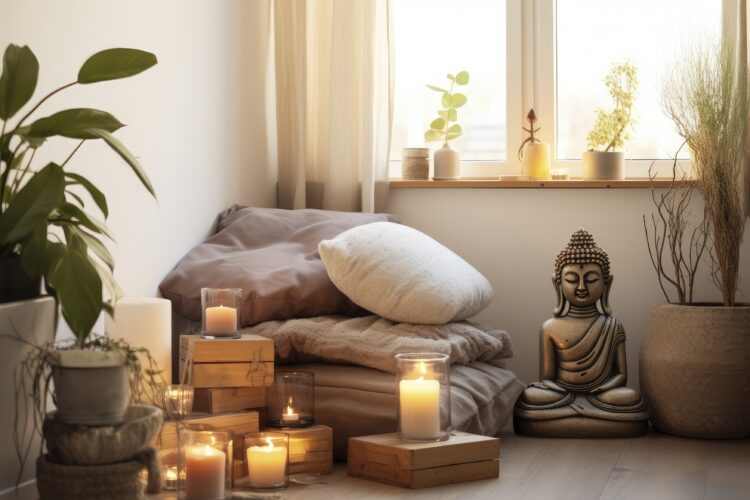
x=373, y=341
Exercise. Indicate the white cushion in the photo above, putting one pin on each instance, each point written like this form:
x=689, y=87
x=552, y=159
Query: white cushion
x=404, y=275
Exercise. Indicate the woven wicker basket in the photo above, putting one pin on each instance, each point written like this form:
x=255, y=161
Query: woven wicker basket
x=123, y=481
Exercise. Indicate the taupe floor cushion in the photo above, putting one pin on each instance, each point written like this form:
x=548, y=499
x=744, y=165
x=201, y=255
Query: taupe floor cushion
x=357, y=401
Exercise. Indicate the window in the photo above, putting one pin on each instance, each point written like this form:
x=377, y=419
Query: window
x=593, y=34
x=551, y=55
x=433, y=38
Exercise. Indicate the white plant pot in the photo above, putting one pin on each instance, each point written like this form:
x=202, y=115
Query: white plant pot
x=91, y=387
x=603, y=165
x=447, y=163
x=34, y=321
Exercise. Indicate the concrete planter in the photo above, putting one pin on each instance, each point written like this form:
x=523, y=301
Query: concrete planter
x=91, y=387
x=34, y=321
x=603, y=166
x=695, y=370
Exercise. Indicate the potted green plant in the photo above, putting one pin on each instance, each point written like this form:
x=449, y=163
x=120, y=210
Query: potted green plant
x=612, y=129
x=447, y=159
x=48, y=237
x=695, y=368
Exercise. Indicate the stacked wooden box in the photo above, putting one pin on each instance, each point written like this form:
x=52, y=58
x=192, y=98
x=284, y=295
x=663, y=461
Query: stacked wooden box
x=229, y=377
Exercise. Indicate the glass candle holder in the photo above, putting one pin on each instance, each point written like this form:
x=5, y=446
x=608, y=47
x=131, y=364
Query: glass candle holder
x=205, y=464
x=267, y=460
x=221, y=312
x=560, y=174
x=424, y=396
x=177, y=401
x=291, y=400
x=169, y=475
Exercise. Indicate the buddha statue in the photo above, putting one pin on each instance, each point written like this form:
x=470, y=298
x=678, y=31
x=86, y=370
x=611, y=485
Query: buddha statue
x=582, y=366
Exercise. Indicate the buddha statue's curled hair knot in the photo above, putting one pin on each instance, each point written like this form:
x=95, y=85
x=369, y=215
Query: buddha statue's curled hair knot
x=582, y=250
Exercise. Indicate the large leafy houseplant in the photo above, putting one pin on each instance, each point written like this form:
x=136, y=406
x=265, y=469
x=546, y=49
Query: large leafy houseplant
x=44, y=225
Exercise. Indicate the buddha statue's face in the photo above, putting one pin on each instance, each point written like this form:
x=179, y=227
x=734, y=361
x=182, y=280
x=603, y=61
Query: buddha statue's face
x=582, y=285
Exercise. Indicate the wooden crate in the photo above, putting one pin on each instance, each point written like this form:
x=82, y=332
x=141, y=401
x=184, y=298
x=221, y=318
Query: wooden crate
x=229, y=399
x=238, y=422
x=388, y=459
x=224, y=363
x=310, y=449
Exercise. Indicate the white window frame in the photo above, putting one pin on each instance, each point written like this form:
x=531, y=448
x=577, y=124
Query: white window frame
x=531, y=83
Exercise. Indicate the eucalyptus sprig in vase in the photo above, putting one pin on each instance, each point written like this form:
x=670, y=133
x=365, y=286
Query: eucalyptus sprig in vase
x=447, y=159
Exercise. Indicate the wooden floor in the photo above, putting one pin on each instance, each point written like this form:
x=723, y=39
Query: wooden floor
x=653, y=467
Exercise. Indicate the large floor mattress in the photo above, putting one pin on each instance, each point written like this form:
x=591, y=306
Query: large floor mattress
x=358, y=401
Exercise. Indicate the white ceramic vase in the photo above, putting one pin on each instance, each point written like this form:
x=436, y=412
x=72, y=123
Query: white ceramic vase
x=447, y=163
x=603, y=165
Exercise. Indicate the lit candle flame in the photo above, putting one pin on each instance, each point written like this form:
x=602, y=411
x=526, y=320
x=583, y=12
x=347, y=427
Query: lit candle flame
x=208, y=451
x=422, y=368
x=172, y=473
x=270, y=443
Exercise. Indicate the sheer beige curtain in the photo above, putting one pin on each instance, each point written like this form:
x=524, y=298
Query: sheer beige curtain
x=333, y=103
x=742, y=53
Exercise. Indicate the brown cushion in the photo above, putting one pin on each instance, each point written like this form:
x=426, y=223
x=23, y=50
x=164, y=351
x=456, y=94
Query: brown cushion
x=272, y=254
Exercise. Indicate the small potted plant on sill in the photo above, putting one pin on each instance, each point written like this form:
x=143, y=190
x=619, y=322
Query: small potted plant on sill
x=694, y=365
x=604, y=160
x=47, y=237
x=447, y=160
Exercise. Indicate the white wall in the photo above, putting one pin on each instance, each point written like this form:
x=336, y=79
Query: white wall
x=196, y=120
x=512, y=236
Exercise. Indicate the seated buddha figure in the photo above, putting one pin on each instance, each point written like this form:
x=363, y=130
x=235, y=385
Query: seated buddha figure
x=583, y=371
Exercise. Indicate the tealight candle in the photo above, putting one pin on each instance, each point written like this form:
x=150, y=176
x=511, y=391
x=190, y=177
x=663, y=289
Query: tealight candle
x=290, y=417
x=169, y=476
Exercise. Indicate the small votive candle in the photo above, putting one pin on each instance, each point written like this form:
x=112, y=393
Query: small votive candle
x=423, y=396
x=291, y=399
x=220, y=312
x=267, y=455
x=560, y=174
x=169, y=477
x=178, y=401
x=206, y=458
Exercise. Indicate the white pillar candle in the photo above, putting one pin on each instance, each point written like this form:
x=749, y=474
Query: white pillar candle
x=205, y=473
x=221, y=319
x=266, y=465
x=145, y=322
x=420, y=408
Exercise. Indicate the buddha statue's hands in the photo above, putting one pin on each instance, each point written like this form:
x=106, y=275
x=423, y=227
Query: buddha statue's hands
x=549, y=385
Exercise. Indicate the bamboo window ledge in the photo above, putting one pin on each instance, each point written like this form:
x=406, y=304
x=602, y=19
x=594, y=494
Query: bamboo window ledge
x=484, y=183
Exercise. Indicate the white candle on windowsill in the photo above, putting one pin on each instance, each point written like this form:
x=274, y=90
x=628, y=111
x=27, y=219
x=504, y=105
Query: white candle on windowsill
x=221, y=319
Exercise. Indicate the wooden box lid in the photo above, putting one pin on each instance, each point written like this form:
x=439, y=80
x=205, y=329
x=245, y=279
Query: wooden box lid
x=248, y=348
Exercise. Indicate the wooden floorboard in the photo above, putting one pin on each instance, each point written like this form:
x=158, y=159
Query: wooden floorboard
x=656, y=466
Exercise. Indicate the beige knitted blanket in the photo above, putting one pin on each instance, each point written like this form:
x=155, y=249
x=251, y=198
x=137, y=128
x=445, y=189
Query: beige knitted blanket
x=373, y=341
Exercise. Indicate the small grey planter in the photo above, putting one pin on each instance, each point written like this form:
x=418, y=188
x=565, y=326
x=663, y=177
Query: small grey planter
x=695, y=370
x=603, y=166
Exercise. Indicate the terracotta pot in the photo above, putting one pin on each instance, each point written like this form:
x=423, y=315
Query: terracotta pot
x=91, y=387
x=695, y=370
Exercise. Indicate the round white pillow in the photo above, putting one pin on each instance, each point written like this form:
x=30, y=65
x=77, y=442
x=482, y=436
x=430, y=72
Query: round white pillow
x=404, y=275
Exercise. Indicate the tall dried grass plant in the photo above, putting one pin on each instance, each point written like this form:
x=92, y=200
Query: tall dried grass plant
x=706, y=95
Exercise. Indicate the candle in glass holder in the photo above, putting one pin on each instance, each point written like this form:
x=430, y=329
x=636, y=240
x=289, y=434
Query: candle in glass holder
x=560, y=174
x=221, y=319
x=423, y=396
x=169, y=476
x=266, y=465
x=205, y=472
x=178, y=400
x=289, y=416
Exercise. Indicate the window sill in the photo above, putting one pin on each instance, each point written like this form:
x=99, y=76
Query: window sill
x=515, y=184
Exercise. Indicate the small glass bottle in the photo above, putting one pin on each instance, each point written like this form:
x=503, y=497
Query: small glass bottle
x=424, y=396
